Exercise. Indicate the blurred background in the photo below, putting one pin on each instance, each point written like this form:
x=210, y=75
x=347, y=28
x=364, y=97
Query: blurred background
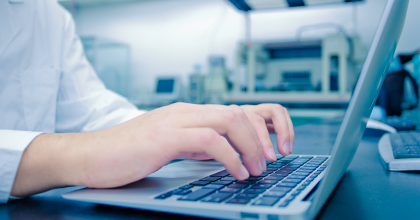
x=303, y=54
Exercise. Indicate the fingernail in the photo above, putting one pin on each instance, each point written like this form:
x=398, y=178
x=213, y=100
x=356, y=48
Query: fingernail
x=244, y=173
x=263, y=164
x=259, y=166
x=272, y=153
x=286, y=147
x=291, y=147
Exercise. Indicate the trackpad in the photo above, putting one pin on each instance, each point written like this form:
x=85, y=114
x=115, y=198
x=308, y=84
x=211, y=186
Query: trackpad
x=187, y=169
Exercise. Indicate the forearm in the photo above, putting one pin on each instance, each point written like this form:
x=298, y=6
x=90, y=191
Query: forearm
x=50, y=161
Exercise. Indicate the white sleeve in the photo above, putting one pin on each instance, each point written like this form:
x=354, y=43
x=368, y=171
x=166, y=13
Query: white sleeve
x=12, y=145
x=84, y=104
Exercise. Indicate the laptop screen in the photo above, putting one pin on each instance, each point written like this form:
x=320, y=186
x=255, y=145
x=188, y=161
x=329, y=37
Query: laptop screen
x=367, y=89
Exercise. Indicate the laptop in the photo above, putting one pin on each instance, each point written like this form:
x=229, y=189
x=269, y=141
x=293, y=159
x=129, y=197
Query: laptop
x=293, y=187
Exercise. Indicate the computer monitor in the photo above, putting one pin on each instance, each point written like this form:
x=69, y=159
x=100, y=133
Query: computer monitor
x=168, y=89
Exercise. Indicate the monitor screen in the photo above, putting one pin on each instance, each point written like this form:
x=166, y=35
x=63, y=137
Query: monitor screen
x=165, y=86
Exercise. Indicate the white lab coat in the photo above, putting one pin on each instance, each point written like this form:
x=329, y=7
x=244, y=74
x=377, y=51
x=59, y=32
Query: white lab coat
x=46, y=83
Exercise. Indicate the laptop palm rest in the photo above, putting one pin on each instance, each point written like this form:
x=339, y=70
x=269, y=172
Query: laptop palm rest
x=168, y=177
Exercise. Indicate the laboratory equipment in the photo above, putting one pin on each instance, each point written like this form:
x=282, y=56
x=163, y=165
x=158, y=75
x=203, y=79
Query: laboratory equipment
x=196, y=86
x=248, y=5
x=216, y=81
x=299, y=71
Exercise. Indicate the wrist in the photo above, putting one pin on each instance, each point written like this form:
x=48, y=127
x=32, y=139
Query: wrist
x=50, y=161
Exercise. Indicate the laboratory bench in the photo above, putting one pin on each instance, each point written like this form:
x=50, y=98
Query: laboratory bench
x=366, y=191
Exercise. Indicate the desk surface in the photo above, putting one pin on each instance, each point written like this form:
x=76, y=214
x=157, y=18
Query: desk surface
x=366, y=191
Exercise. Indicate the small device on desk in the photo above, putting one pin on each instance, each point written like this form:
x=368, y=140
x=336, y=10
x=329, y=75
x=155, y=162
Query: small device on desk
x=390, y=124
x=168, y=90
x=400, y=151
x=401, y=124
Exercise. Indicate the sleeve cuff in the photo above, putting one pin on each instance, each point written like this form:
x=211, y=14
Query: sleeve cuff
x=132, y=114
x=12, y=146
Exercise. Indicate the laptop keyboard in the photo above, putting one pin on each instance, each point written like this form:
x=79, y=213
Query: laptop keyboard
x=284, y=178
x=405, y=144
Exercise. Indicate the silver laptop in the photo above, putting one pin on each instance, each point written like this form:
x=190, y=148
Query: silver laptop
x=293, y=187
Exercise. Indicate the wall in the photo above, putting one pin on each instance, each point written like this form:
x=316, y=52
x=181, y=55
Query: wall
x=169, y=37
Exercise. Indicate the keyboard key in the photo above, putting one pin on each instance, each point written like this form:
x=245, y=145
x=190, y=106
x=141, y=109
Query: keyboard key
x=280, y=173
x=185, y=192
x=280, y=189
x=277, y=178
x=278, y=194
x=310, y=166
x=246, y=182
x=212, y=186
x=289, y=199
x=261, y=186
x=196, y=195
x=291, y=185
x=290, y=157
x=186, y=187
x=246, y=196
x=238, y=185
x=217, y=197
x=200, y=183
x=283, y=204
x=263, y=174
x=181, y=192
x=238, y=201
x=222, y=173
x=319, y=157
x=230, y=190
x=300, y=188
x=315, y=164
x=266, y=201
x=254, y=178
x=292, y=180
x=268, y=181
x=211, y=178
x=302, y=173
x=164, y=196
x=295, y=193
x=221, y=182
x=306, y=169
x=295, y=164
x=289, y=169
x=293, y=176
x=228, y=179
x=258, y=191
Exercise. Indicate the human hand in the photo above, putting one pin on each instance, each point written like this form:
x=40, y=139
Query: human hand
x=132, y=150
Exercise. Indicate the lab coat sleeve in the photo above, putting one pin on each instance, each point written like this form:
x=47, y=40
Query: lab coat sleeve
x=12, y=145
x=84, y=104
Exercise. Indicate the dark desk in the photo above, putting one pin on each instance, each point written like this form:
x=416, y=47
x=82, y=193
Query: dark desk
x=366, y=191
